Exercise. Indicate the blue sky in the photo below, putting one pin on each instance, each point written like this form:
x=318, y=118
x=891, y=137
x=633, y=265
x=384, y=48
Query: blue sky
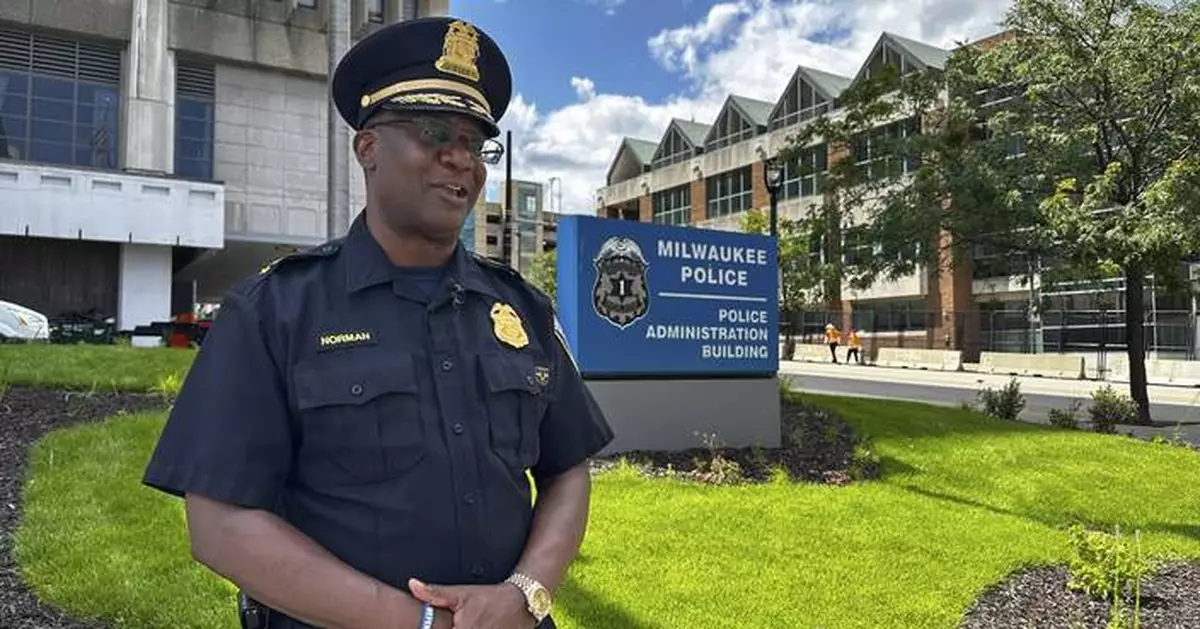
x=589, y=72
x=549, y=41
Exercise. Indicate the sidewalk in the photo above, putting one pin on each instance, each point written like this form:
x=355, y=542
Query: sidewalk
x=1182, y=396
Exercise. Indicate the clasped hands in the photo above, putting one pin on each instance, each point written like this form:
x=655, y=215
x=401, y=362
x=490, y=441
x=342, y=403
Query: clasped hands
x=500, y=606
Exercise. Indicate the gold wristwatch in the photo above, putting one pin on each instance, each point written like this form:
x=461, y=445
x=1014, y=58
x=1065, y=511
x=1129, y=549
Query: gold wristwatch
x=537, y=597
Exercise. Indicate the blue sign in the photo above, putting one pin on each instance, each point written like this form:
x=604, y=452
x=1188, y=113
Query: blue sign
x=638, y=299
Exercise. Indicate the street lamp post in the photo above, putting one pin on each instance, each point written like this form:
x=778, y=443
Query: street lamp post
x=772, y=177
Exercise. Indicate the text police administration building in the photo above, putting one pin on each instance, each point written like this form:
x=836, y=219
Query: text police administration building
x=639, y=299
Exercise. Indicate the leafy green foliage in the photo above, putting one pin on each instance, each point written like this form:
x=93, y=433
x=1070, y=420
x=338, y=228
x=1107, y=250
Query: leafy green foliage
x=1104, y=564
x=1071, y=143
x=544, y=273
x=1110, y=408
x=1004, y=403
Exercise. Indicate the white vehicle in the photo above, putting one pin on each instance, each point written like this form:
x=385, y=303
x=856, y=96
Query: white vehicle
x=18, y=323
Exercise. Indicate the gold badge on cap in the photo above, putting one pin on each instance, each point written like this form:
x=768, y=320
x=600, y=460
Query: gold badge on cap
x=507, y=327
x=460, y=49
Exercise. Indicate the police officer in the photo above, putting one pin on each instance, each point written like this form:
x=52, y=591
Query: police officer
x=353, y=438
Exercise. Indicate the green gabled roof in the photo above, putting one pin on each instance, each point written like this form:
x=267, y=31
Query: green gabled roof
x=642, y=149
x=756, y=112
x=929, y=56
x=829, y=84
x=693, y=132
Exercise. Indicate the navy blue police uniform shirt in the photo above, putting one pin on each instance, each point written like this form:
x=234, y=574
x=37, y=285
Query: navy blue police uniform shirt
x=388, y=418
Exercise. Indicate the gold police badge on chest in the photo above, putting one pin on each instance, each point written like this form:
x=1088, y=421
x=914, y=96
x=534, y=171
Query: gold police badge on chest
x=507, y=326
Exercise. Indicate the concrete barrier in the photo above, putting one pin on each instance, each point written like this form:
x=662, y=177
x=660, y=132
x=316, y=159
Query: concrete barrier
x=1167, y=372
x=912, y=358
x=811, y=353
x=1045, y=365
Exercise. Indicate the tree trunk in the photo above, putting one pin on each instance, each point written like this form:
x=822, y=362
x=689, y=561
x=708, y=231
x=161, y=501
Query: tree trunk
x=1135, y=339
x=789, y=337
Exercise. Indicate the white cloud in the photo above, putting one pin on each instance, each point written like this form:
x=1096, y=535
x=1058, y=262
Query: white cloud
x=609, y=6
x=745, y=47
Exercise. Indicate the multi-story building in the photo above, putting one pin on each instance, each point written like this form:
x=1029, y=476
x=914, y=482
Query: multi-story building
x=708, y=175
x=513, y=237
x=152, y=145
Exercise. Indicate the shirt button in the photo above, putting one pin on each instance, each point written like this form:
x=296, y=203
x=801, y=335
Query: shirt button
x=447, y=365
x=458, y=429
x=477, y=570
x=469, y=498
x=356, y=389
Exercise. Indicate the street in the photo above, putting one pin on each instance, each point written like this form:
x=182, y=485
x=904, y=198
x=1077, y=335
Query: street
x=1168, y=405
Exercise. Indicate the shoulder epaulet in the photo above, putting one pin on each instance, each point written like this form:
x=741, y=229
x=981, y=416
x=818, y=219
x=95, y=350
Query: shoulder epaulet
x=496, y=265
x=514, y=276
x=319, y=251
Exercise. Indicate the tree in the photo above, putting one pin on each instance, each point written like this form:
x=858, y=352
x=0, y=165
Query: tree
x=1073, y=141
x=544, y=272
x=799, y=281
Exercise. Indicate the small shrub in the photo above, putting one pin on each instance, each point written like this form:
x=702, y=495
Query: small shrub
x=168, y=386
x=1105, y=565
x=1068, y=418
x=718, y=469
x=864, y=463
x=1110, y=408
x=1006, y=403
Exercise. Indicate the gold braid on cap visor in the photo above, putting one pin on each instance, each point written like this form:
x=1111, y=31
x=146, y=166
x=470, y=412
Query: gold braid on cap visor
x=477, y=101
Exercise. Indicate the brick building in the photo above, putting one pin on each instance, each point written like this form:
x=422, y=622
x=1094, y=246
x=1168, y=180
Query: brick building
x=708, y=175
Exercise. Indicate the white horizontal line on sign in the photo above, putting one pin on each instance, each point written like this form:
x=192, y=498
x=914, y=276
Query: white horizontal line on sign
x=761, y=300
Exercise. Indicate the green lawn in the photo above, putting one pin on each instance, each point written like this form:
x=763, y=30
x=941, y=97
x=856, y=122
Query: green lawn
x=100, y=367
x=964, y=501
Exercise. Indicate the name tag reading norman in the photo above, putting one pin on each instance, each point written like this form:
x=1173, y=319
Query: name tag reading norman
x=345, y=339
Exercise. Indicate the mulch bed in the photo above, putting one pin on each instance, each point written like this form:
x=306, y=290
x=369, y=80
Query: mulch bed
x=1038, y=598
x=817, y=446
x=25, y=415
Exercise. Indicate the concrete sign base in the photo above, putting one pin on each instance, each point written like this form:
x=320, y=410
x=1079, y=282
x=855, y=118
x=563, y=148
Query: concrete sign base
x=671, y=414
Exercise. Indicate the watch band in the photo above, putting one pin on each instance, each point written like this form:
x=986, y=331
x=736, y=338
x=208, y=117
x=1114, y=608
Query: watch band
x=537, y=598
x=427, y=616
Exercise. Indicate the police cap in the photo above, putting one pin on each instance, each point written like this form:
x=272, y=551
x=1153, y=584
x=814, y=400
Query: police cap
x=439, y=64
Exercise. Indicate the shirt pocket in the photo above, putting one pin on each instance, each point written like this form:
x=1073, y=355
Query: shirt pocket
x=515, y=400
x=361, y=421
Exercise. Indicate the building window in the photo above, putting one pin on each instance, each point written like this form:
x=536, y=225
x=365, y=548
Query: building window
x=802, y=103
x=306, y=4
x=885, y=152
x=855, y=247
x=731, y=128
x=729, y=192
x=672, y=206
x=410, y=10
x=805, y=177
x=673, y=150
x=375, y=11
x=195, y=97
x=59, y=100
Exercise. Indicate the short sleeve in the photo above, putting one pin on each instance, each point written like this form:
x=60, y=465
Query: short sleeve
x=574, y=428
x=228, y=435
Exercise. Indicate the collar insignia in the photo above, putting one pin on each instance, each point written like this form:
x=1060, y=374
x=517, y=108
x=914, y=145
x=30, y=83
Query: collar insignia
x=507, y=327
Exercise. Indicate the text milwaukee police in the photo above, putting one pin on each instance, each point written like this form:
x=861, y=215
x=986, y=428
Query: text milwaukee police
x=713, y=273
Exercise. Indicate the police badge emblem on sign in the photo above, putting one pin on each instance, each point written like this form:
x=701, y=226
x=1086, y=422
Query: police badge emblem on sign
x=621, y=294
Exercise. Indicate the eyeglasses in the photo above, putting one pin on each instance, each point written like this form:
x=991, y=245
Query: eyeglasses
x=439, y=134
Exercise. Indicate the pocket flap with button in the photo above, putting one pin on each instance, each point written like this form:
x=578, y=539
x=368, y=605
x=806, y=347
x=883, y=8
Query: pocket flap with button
x=510, y=374
x=320, y=383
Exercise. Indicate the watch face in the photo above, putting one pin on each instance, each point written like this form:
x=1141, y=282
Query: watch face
x=540, y=601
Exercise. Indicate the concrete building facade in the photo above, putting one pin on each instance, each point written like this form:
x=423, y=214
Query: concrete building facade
x=513, y=237
x=154, y=151
x=708, y=175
